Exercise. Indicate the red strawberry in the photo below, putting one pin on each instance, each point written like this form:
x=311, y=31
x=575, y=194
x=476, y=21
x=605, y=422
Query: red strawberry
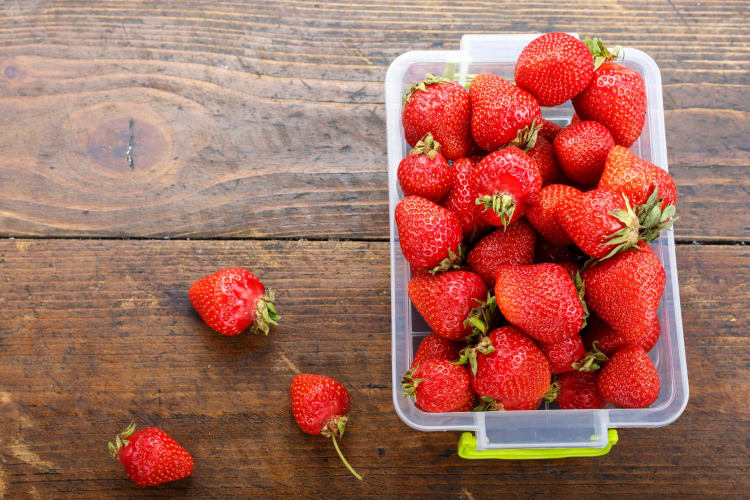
x=546, y=252
x=616, y=98
x=446, y=300
x=629, y=379
x=503, y=181
x=150, y=456
x=554, y=68
x=516, y=374
x=541, y=300
x=320, y=405
x=625, y=291
x=608, y=340
x=549, y=130
x=462, y=200
x=499, y=111
x=636, y=178
x=467, y=407
x=428, y=233
x=543, y=155
x=233, y=299
x=578, y=391
x=561, y=355
x=440, y=107
x=433, y=346
x=514, y=245
x=424, y=171
x=581, y=150
x=541, y=212
x=438, y=386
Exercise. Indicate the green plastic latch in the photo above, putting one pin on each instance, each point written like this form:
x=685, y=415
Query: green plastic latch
x=467, y=448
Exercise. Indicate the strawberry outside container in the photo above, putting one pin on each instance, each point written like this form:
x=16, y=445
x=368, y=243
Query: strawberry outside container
x=547, y=432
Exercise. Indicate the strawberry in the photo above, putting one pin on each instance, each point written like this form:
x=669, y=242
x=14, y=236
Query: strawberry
x=150, y=456
x=438, y=386
x=462, y=200
x=428, y=233
x=578, y=391
x=543, y=155
x=320, y=405
x=446, y=300
x=433, y=346
x=233, y=299
x=515, y=374
x=581, y=150
x=440, y=107
x=540, y=299
x=625, y=291
x=615, y=97
x=424, y=171
x=549, y=130
x=514, y=245
x=561, y=355
x=554, y=68
x=608, y=340
x=636, y=178
x=500, y=111
x=541, y=212
x=629, y=379
x=503, y=181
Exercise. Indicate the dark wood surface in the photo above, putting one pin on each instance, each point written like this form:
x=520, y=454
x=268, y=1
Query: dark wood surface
x=259, y=129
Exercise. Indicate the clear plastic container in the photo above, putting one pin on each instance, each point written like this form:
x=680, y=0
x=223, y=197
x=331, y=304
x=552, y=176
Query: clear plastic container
x=545, y=432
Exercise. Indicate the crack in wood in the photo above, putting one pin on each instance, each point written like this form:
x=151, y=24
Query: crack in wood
x=131, y=143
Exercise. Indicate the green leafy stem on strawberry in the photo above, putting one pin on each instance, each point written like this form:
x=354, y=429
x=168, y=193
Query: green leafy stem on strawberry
x=336, y=426
x=430, y=79
x=266, y=315
x=468, y=354
x=581, y=289
x=591, y=361
x=600, y=51
x=500, y=203
x=526, y=138
x=453, y=261
x=121, y=440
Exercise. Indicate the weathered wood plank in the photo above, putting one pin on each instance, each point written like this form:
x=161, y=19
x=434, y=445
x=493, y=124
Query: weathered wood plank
x=259, y=119
x=96, y=333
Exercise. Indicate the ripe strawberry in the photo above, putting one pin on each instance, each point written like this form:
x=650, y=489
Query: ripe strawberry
x=424, y=171
x=561, y=355
x=503, y=181
x=554, y=67
x=428, y=233
x=581, y=150
x=549, y=130
x=516, y=374
x=514, y=245
x=543, y=155
x=608, y=340
x=433, y=346
x=616, y=98
x=320, y=405
x=462, y=200
x=636, y=178
x=540, y=299
x=629, y=379
x=541, y=212
x=233, y=299
x=150, y=456
x=625, y=291
x=446, y=300
x=499, y=111
x=578, y=391
x=438, y=386
x=440, y=107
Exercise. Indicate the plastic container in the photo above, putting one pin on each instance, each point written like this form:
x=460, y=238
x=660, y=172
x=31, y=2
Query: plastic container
x=548, y=432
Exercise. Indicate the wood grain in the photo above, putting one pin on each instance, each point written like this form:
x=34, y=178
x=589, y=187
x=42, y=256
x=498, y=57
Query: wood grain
x=96, y=333
x=265, y=120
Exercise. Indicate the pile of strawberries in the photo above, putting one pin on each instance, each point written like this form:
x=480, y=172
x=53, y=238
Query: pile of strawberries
x=528, y=242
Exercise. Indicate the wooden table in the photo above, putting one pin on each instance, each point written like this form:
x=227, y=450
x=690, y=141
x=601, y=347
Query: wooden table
x=257, y=138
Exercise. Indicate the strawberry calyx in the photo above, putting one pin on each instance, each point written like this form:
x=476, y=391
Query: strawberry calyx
x=480, y=317
x=469, y=353
x=502, y=204
x=487, y=404
x=453, y=261
x=600, y=51
x=527, y=136
x=336, y=426
x=265, y=314
x=121, y=440
x=552, y=392
x=588, y=363
x=430, y=79
x=427, y=145
x=581, y=290
x=409, y=383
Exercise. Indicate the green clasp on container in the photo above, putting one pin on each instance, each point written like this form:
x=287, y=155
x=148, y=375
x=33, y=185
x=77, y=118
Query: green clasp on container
x=467, y=448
